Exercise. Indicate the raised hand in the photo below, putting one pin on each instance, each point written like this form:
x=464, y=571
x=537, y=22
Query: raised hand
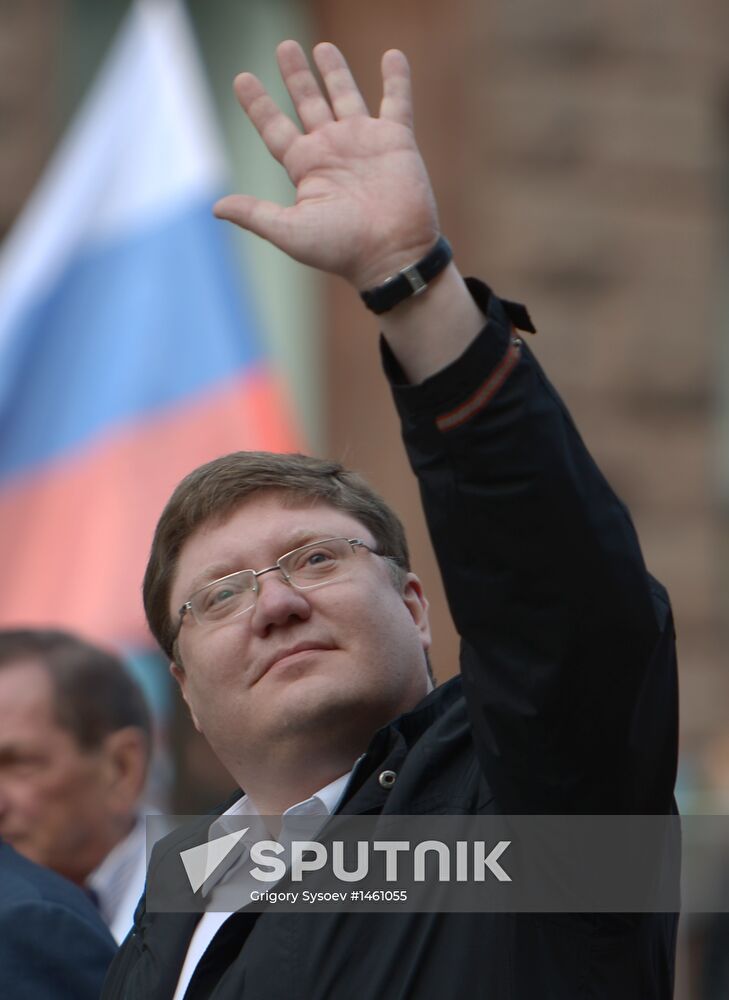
x=364, y=206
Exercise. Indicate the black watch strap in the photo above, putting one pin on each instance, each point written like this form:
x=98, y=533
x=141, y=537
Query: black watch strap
x=412, y=280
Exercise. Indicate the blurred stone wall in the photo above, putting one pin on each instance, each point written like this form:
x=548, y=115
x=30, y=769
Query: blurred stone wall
x=29, y=50
x=579, y=155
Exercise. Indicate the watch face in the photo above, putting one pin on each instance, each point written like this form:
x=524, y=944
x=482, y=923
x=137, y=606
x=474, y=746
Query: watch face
x=412, y=280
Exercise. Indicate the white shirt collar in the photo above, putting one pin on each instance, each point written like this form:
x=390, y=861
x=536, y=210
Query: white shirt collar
x=321, y=804
x=109, y=880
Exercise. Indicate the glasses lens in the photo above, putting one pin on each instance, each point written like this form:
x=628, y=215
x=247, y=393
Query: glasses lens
x=316, y=563
x=225, y=598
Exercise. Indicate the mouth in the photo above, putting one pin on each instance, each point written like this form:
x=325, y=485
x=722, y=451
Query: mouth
x=290, y=654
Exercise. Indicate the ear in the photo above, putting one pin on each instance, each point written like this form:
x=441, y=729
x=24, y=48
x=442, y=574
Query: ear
x=178, y=672
x=126, y=756
x=417, y=604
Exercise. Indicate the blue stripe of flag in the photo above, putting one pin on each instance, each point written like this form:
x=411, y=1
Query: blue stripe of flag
x=130, y=328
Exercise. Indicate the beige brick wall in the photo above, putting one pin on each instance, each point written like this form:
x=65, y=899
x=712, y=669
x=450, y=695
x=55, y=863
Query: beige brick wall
x=603, y=176
x=578, y=154
x=29, y=48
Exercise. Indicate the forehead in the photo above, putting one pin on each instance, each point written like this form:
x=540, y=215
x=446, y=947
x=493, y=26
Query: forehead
x=26, y=697
x=255, y=535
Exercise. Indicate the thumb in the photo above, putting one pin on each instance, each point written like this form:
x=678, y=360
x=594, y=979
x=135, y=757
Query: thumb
x=264, y=218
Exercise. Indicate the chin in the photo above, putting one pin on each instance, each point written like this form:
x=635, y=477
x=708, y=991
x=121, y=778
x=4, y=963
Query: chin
x=316, y=712
x=349, y=714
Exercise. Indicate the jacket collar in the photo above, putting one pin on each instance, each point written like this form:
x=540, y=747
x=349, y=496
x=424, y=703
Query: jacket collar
x=389, y=748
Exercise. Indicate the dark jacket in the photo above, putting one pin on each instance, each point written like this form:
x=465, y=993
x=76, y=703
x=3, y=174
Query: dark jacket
x=53, y=943
x=566, y=704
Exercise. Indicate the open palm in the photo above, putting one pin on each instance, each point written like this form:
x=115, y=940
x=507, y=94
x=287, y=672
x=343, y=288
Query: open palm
x=364, y=205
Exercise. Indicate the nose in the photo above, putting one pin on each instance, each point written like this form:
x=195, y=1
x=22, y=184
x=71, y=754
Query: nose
x=278, y=603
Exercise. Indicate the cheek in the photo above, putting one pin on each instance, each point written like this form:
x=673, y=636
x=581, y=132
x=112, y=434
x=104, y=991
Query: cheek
x=40, y=815
x=73, y=788
x=24, y=796
x=212, y=695
x=386, y=619
x=216, y=655
x=72, y=817
x=214, y=700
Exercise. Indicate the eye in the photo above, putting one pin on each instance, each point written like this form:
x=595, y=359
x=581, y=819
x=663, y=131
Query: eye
x=316, y=560
x=21, y=763
x=318, y=557
x=221, y=596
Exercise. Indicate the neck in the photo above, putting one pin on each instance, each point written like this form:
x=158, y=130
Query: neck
x=274, y=789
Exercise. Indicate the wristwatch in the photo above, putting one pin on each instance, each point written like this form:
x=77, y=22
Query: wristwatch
x=411, y=280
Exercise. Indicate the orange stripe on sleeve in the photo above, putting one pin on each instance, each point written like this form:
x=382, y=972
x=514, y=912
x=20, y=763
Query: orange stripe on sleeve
x=485, y=392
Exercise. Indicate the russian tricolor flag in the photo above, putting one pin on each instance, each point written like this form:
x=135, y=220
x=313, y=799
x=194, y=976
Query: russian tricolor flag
x=128, y=352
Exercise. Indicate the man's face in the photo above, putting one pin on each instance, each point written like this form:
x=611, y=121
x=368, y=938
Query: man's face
x=51, y=791
x=303, y=666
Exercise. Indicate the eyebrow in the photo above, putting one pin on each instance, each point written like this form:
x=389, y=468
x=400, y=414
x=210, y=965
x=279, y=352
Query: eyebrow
x=11, y=752
x=218, y=570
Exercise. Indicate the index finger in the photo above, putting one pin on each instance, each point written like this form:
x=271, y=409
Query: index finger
x=275, y=128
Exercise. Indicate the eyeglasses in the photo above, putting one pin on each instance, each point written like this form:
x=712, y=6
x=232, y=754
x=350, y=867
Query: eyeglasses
x=309, y=566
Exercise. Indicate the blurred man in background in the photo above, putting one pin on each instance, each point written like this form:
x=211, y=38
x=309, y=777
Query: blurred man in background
x=75, y=738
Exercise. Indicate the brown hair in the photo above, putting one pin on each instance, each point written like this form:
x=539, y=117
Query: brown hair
x=213, y=491
x=94, y=692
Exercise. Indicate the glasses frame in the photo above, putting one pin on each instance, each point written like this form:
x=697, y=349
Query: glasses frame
x=354, y=543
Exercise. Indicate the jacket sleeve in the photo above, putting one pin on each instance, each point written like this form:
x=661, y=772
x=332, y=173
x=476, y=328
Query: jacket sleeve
x=51, y=951
x=567, y=651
